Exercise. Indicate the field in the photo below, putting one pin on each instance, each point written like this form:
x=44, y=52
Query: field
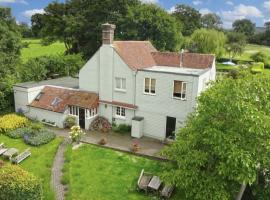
x=99, y=174
x=39, y=163
x=36, y=49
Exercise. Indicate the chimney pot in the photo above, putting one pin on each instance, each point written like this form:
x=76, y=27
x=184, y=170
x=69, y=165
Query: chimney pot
x=108, y=33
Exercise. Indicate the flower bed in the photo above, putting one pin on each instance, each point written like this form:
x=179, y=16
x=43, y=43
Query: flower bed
x=11, y=122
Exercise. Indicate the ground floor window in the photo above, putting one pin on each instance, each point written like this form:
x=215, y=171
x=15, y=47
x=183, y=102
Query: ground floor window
x=120, y=112
x=90, y=112
x=73, y=110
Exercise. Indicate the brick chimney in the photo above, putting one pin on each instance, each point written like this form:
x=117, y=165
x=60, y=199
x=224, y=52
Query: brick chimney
x=108, y=33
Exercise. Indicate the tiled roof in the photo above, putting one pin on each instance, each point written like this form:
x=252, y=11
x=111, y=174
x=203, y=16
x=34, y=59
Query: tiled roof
x=142, y=54
x=136, y=54
x=56, y=99
x=116, y=103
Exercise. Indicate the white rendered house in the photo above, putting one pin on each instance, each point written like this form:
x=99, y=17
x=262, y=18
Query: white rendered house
x=127, y=82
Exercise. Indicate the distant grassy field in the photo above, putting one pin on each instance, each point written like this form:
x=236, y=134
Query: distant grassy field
x=36, y=49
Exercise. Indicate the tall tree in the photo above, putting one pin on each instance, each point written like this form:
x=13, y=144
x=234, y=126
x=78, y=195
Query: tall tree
x=212, y=21
x=225, y=143
x=207, y=41
x=236, y=43
x=189, y=17
x=244, y=26
x=151, y=22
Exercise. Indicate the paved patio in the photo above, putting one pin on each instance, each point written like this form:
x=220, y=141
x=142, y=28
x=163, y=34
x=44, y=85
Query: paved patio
x=123, y=142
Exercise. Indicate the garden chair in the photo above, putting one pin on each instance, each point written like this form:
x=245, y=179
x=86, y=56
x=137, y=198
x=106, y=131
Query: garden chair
x=166, y=191
x=144, y=180
x=19, y=158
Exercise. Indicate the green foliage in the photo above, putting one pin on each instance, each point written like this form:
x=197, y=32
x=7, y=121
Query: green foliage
x=37, y=137
x=11, y=122
x=225, y=142
x=260, y=57
x=25, y=30
x=189, y=17
x=121, y=128
x=212, y=21
x=17, y=184
x=65, y=179
x=70, y=121
x=37, y=69
x=17, y=133
x=257, y=67
x=207, y=41
x=236, y=43
x=244, y=26
x=152, y=23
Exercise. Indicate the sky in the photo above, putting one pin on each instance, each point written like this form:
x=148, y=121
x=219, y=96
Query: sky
x=229, y=10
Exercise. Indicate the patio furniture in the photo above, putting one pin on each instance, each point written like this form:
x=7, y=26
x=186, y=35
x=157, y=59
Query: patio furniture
x=154, y=184
x=144, y=180
x=10, y=153
x=3, y=149
x=19, y=158
x=167, y=191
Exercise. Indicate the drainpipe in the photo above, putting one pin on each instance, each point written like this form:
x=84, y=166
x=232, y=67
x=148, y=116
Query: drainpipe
x=135, y=90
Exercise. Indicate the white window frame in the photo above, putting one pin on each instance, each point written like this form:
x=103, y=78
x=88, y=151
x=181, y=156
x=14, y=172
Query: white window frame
x=122, y=114
x=150, y=83
x=73, y=110
x=183, y=93
x=89, y=113
x=122, y=88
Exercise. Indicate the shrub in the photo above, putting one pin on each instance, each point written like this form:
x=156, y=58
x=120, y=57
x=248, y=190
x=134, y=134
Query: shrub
x=18, y=133
x=257, y=67
x=11, y=122
x=17, y=184
x=121, y=128
x=101, y=124
x=76, y=133
x=70, y=121
x=259, y=57
x=33, y=138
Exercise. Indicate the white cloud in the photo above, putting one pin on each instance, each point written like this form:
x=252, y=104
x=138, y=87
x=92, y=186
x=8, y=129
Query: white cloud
x=230, y=3
x=14, y=1
x=171, y=10
x=29, y=13
x=149, y=1
x=240, y=12
x=197, y=2
x=205, y=11
x=266, y=5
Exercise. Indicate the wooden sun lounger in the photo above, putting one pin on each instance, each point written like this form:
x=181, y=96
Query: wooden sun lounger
x=144, y=180
x=19, y=158
x=3, y=149
x=167, y=191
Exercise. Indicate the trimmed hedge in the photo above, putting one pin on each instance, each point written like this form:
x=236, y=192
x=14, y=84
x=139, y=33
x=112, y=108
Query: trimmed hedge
x=18, y=184
x=11, y=122
x=70, y=121
x=121, y=128
x=43, y=136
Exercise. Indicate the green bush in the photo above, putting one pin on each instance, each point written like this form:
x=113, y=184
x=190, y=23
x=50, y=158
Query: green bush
x=18, y=133
x=34, y=138
x=257, y=67
x=121, y=128
x=70, y=121
x=259, y=57
x=18, y=184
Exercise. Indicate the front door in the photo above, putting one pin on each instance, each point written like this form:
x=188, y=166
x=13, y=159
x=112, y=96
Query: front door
x=82, y=118
x=170, y=127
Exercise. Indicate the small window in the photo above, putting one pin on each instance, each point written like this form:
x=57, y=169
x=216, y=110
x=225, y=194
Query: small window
x=73, y=110
x=120, y=112
x=120, y=84
x=56, y=101
x=39, y=96
x=150, y=86
x=180, y=90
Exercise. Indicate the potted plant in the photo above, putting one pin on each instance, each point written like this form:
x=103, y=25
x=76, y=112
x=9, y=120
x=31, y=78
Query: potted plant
x=76, y=134
x=103, y=141
x=135, y=146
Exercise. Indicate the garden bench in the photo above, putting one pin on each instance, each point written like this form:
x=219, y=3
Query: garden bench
x=19, y=158
x=3, y=149
x=144, y=180
x=10, y=152
x=167, y=191
x=155, y=183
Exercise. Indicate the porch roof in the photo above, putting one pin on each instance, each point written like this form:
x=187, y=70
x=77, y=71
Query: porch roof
x=57, y=99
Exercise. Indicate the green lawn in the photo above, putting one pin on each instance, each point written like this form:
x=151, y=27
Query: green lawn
x=39, y=163
x=100, y=174
x=35, y=49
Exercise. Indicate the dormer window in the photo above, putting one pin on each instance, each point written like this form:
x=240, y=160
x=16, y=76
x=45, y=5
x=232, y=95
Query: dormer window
x=56, y=101
x=180, y=90
x=39, y=96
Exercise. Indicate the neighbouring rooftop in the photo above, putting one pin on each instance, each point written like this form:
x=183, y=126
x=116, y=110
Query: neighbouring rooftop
x=67, y=82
